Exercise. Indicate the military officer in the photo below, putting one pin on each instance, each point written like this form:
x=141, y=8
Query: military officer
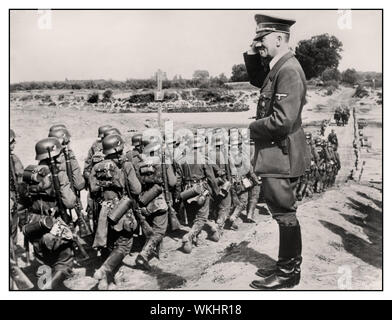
x=280, y=146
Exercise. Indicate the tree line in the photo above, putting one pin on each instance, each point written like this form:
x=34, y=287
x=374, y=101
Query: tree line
x=319, y=57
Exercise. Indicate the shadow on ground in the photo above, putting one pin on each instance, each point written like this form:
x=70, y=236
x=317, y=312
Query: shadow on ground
x=242, y=253
x=371, y=222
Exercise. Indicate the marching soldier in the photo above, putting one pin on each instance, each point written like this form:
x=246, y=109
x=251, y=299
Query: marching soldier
x=63, y=135
x=254, y=193
x=332, y=137
x=243, y=177
x=279, y=142
x=50, y=195
x=152, y=198
x=220, y=205
x=111, y=181
x=95, y=154
x=199, y=185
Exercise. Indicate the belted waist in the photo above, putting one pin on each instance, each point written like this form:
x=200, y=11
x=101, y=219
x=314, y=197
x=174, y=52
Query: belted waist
x=192, y=181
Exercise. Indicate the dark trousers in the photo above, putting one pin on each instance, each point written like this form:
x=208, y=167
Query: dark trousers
x=280, y=197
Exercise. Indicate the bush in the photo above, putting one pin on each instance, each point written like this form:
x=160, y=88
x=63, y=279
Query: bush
x=331, y=83
x=330, y=90
x=107, y=95
x=61, y=97
x=93, y=97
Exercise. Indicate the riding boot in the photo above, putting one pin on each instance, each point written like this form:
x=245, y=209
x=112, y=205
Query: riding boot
x=287, y=272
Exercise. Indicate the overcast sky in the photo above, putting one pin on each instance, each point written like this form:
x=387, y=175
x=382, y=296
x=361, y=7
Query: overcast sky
x=134, y=44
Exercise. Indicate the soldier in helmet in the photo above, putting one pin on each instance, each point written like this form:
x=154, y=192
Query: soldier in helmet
x=94, y=156
x=198, y=182
x=220, y=206
x=242, y=177
x=305, y=178
x=16, y=187
x=153, y=200
x=256, y=190
x=46, y=229
x=63, y=135
x=110, y=181
x=332, y=137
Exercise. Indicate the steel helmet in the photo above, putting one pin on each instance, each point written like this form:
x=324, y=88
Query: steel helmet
x=111, y=131
x=62, y=134
x=57, y=126
x=42, y=147
x=137, y=139
x=102, y=129
x=112, y=144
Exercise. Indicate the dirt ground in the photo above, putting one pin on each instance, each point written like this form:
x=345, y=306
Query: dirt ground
x=342, y=228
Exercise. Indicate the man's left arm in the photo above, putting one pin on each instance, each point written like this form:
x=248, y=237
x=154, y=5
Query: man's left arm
x=286, y=107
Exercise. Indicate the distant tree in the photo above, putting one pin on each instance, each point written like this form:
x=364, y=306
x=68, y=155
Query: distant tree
x=93, y=97
x=107, y=95
x=222, y=77
x=331, y=74
x=238, y=73
x=350, y=76
x=201, y=75
x=318, y=53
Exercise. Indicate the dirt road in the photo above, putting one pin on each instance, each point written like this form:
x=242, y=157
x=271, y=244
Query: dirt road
x=342, y=228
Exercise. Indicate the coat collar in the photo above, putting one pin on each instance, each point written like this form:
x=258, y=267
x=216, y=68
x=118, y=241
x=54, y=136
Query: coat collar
x=277, y=66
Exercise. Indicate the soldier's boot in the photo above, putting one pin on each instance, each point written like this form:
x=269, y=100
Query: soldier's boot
x=233, y=220
x=187, y=243
x=57, y=281
x=287, y=273
x=105, y=273
x=216, y=231
x=250, y=214
x=149, y=250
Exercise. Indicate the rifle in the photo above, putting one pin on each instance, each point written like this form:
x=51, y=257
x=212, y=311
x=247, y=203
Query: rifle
x=63, y=212
x=14, y=185
x=146, y=228
x=175, y=224
x=84, y=228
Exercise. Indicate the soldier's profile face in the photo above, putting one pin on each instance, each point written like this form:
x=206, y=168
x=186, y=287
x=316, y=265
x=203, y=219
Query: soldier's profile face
x=12, y=145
